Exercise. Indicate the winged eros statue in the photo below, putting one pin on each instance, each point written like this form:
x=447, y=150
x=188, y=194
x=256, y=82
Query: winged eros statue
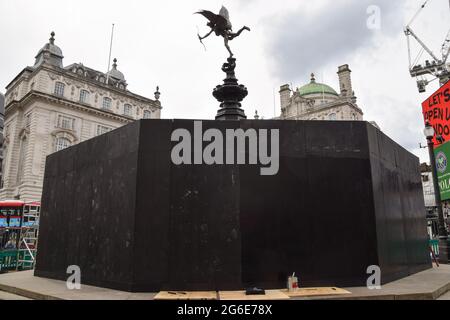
x=221, y=25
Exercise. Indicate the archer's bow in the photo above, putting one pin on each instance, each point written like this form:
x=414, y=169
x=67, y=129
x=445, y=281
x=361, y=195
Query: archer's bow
x=200, y=38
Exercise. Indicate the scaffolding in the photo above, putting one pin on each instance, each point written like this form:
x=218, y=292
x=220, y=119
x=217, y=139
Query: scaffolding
x=28, y=237
x=19, y=230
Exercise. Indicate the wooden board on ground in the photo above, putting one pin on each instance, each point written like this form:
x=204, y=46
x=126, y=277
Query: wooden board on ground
x=185, y=295
x=240, y=295
x=315, y=292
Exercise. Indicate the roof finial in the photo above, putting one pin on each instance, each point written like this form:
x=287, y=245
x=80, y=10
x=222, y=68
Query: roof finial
x=157, y=93
x=256, y=115
x=52, y=37
x=115, y=63
x=313, y=77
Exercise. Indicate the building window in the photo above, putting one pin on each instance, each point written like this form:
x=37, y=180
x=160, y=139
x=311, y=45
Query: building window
x=127, y=110
x=103, y=129
x=84, y=96
x=147, y=114
x=66, y=123
x=107, y=103
x=62, y=143
x=59, y=89
x=332, y=117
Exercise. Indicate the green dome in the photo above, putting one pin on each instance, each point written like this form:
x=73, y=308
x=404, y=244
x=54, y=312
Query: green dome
x=316, y=88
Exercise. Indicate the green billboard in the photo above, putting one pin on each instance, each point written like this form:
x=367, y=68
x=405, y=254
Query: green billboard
x=442, y=154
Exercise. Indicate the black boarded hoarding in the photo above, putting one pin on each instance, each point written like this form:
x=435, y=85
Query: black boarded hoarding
x=345, y=197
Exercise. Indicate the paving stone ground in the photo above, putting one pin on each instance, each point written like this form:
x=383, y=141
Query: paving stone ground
x=445, y=296
x=431, y=284
x=9, y=296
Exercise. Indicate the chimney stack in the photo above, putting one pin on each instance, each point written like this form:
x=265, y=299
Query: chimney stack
x=345, y=81
x=285, y=96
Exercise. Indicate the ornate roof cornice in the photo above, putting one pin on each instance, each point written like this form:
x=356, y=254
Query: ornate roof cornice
x=65, y=102
x=73, y=76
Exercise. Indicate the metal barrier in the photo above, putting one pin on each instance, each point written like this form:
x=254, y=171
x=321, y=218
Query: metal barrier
x=434, y=244
x=8, y=260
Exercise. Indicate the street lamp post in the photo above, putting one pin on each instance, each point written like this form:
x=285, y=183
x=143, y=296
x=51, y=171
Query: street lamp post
x=443, y=235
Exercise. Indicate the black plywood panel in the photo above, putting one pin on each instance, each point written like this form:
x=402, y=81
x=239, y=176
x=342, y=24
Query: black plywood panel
x=401, y=237
x=303, y=219
x=204, y=222
x=152, y=238
x=88, y=210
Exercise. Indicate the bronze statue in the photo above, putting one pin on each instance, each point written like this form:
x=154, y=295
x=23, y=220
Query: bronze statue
x=221, y=25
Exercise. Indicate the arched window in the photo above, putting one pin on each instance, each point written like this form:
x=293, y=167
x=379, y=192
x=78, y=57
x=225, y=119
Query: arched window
x=84, y=96
x=5, y=156
x=59, y=89
x=127, y=110
x=61, y=143
x=147, y=114
x=22, y=155
x=28, y=121
x=107, y=102
x=332, y=117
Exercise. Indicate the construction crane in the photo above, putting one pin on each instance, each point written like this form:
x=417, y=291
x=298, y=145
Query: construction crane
x=438, y=67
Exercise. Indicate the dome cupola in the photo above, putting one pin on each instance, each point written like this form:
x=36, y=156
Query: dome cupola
x=315, y=88
x=50, y=54
x=116, y=74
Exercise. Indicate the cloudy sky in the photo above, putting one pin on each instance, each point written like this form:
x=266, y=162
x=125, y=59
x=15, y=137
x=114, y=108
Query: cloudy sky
x=156, y=44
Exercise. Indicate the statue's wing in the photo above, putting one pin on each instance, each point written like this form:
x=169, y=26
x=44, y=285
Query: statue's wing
x=225, y=14
x=218, y=20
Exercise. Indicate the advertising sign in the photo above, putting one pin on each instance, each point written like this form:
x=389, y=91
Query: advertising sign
x=436, y=111
x=442, y=154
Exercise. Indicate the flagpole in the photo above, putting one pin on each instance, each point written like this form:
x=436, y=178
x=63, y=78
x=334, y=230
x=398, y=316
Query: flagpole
x=274, y=105
x=323, y=89
x=110, y=51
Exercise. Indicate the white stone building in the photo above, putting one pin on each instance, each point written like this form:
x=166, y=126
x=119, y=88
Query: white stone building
x=318, y=101
x=2, y=118
x=50, y=107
